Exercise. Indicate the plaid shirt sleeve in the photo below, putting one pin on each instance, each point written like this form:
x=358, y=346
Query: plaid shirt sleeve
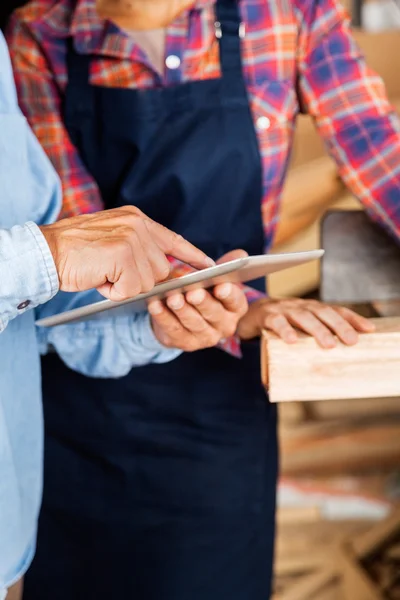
x=40, y=101
x=351, y=110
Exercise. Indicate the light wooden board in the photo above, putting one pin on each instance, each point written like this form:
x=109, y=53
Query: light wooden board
x=382, y=533
x=356, y=450
x=308, y=192
x=388, y=308
x=344, y=568
x=303, y=371
x=362, y=408
x=298, y=514
x=316, y=537
x=357, y=584
x=311, y=585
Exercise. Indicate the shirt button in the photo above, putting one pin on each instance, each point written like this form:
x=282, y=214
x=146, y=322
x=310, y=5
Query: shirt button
x=263, y=123
x=173, y=62
x=24, y=305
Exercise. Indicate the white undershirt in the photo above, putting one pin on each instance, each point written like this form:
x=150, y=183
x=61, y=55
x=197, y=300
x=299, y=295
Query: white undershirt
x=152, y=42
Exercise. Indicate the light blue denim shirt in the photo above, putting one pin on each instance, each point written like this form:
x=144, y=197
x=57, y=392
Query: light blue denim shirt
x=29, y=193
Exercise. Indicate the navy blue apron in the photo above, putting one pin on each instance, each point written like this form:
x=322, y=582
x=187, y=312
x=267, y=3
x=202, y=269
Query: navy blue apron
x=161, y=485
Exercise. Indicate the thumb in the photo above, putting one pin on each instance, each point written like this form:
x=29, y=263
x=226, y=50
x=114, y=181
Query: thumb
x=110, y=291
x=107, y=290
x=232, y=255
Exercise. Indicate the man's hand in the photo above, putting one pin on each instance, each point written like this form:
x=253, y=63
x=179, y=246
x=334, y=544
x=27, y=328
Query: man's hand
x=120, y=252
x=199, y=319
x=321, y=321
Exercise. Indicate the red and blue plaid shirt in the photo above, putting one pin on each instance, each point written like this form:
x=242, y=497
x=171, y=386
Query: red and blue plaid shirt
x=295, y=53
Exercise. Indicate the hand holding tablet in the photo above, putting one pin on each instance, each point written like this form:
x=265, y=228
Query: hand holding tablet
x=237, y=271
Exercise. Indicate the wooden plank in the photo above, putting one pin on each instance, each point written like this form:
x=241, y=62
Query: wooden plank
x=298, y=515
x=297, y=280
x=356, y=450
x=303, y=549
x=303, y=371
x=310, y=585
x=308, y=145
x=293, y=413
x=393, y=553
x=342, y=568
x=355, y=581
x=387, y=575
x=382, y=53
x=372, y=541
x=331, y=591
x=387, y=308
x=299, y=564
x=318, y=537
x=359, y=408
x=308, y=192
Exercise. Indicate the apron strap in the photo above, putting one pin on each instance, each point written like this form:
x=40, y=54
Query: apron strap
x=229, y=30
x=78, y=65
x=78, y=68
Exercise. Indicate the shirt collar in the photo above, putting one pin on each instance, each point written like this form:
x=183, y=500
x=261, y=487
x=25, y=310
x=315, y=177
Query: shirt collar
x=91, y=34
x=74, y=18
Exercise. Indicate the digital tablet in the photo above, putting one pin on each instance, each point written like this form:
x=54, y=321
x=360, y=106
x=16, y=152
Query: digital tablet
x=237, y=271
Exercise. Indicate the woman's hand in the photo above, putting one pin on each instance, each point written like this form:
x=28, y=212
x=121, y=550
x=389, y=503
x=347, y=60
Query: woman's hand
x=199, y=319
x=319, y=320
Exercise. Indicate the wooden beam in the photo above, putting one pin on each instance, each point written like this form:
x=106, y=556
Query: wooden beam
x=342, y=565
x=308, y=192
x=394, y=553
x=307, y=587
x=372, y=541
x=296, y=515
x=388, y=308
x=358, y=409
x=318, y=537
x=356, y=583
x=299, y=565
x=356, y=450
x=303, y=371
x=293, y=413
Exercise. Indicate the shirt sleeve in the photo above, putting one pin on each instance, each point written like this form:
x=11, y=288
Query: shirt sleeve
x=30, y=187
x=40, y=99
x=111, y=346
x=108, y=346
x=27, y=272
x=349, y=104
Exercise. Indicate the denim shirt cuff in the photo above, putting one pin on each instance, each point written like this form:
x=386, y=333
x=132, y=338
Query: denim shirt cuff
x=27, y=271
x=47, y=277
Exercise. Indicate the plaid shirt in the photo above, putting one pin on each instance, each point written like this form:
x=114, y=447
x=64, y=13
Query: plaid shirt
x=296, y=53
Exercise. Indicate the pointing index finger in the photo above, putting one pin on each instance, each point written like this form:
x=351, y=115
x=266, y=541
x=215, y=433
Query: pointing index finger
x=175, y=245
